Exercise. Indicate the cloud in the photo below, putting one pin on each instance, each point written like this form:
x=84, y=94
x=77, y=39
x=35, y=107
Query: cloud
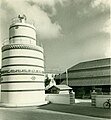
x=90, y=7
x=40, y=13
x=37, y=11
x=107, y=27
x=101, y=3
x=95, y=7
x=108, y=50
x=50, y=3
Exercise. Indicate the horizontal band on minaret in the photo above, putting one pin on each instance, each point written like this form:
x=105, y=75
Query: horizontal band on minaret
x=19, y=36
x=20, y=46
x=22, y=26
x=23, y=57
x=22, y=90
x=6, y=82
x=22, y=65
x=21, y=74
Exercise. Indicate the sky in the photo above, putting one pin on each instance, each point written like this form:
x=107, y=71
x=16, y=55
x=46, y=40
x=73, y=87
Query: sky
x=71, y=31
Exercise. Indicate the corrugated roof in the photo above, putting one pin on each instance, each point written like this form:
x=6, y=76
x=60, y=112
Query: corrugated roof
x=89, y=81
x=100, y=67
x=97, y=72
x=60, y=87
x=48, y=86
x=87, y=73
x=92, y=64
x=90, y=73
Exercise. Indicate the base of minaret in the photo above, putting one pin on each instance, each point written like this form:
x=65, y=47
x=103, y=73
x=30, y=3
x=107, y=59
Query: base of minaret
x=23, y=105
x=24, y=98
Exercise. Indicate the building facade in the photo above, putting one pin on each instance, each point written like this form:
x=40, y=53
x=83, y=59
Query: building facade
x=22, y=70
x=89, y=75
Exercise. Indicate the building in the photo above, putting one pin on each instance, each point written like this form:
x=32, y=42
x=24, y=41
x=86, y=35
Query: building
x=22, y=70
x=89, y=75
x=59, y=89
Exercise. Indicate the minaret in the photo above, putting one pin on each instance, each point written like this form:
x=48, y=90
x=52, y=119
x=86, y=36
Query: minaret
x=22, y=66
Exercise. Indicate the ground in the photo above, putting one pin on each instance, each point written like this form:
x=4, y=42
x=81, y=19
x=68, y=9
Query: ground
x=78, y=111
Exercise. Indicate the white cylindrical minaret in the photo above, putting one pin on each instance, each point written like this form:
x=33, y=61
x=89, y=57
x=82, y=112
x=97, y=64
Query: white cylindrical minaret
x=22, y=67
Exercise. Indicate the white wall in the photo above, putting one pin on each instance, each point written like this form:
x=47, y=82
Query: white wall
x=58, y=98
x=100, y=99
x=64, y=92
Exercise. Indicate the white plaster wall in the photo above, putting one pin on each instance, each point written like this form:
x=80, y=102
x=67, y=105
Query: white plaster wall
x=58, y=98
x=23, y=98
x=23, y=40
x=100, y=99
x=20, y=30
x=23, y=78
x=23, y=67
x=30, y=61
x=64, y=92
x=22, y=86
x=22, y=52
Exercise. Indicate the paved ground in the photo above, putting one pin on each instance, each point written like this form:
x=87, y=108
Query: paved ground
x=38, y=114
x=79, y=111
